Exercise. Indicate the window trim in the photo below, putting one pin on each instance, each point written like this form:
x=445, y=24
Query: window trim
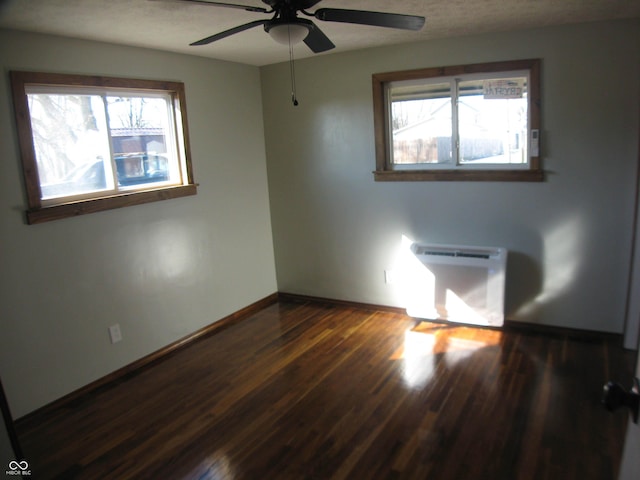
x=37, y=212
x=384, y=170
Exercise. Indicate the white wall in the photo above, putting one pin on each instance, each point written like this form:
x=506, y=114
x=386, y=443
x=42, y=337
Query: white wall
x=336, y=230
x=161, y=270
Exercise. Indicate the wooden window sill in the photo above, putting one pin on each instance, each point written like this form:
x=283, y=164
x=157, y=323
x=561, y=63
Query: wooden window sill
x=458, y=175
x=57, y=212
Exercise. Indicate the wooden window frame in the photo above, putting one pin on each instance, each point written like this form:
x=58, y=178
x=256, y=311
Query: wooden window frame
x=36, y=212
x=384, y=170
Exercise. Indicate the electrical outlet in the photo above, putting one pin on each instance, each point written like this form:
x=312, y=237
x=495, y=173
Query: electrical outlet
x=390, y=277
x=114, y=333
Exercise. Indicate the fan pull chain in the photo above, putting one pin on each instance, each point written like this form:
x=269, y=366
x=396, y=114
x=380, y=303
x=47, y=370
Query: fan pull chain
x=292, y=71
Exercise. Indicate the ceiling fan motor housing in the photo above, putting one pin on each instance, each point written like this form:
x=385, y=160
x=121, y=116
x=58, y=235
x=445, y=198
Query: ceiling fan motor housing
x=286, y=27
x=288, y=31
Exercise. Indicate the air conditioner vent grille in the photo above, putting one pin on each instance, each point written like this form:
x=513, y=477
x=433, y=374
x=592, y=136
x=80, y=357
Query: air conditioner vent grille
x=455, y=254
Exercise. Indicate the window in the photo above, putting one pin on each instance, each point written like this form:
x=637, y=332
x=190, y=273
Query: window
x=95, y=143
x=472, y=122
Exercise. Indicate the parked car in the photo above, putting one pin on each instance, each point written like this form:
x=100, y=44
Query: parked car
x=141, y=168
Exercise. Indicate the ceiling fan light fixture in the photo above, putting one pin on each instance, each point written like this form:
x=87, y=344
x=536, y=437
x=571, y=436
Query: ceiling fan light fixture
x=294, y=32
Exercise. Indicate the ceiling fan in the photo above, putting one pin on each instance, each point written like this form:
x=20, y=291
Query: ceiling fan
x=285, y=26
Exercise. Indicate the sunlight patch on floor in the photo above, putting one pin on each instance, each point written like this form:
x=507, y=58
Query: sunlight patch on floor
x=427, y=340
x=215, y=467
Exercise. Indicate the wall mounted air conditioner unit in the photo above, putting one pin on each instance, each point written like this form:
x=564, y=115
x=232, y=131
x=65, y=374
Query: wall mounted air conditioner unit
x=457, y=283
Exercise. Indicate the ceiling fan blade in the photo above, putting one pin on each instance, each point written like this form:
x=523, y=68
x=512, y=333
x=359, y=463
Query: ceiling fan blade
x=378, y=19
x=231, y=31
x=317, y=41
x=248, y=8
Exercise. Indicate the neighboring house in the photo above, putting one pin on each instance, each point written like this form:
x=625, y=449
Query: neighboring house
x=135, y=140
x=428, y=140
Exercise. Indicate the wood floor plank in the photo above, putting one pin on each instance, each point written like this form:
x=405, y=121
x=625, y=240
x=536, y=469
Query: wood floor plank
x=303, y=390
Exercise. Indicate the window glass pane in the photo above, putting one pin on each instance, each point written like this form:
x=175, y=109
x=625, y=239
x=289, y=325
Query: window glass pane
x=421, y=124
x=143, y=146
x=71, y=144
x=492, y=121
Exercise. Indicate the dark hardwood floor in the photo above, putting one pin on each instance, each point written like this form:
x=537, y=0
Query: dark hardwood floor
x=312, y=391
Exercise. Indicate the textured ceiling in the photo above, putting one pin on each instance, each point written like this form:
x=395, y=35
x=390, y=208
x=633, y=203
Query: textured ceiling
x=172, y=24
